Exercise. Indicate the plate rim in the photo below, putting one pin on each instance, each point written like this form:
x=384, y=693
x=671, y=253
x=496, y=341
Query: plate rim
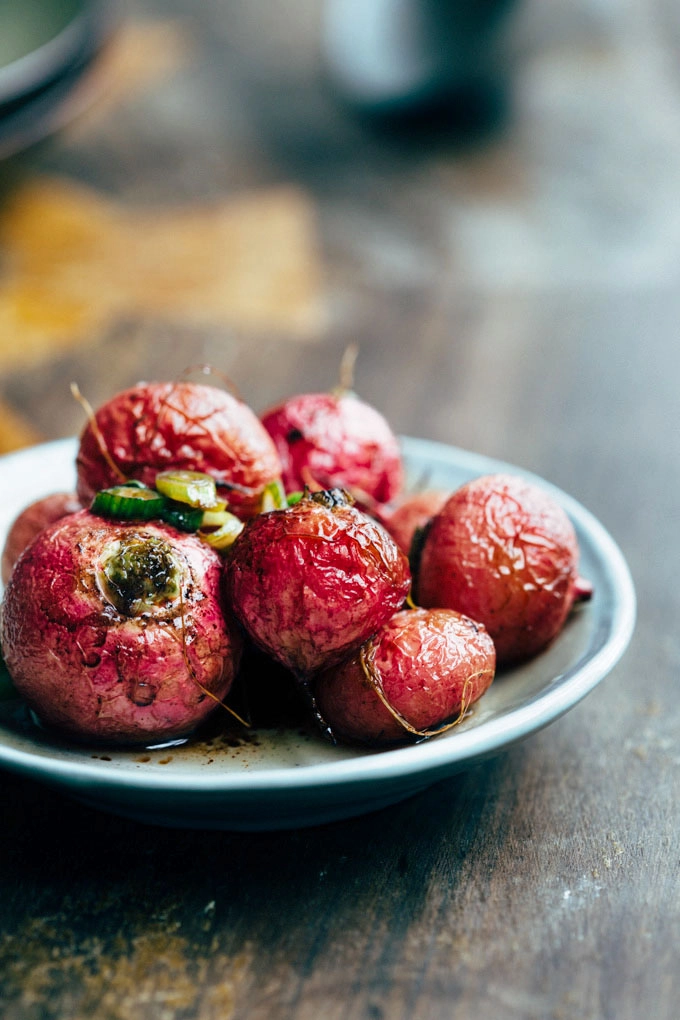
x=566, y=690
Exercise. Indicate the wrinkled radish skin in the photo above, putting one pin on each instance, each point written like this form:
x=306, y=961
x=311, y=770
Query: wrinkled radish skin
x=336, y=441
x=186, y=426
x=505, y=553
x=430, y=667
x=312, y=582
x=106, y=656
x=411, y=514
x=31, y=522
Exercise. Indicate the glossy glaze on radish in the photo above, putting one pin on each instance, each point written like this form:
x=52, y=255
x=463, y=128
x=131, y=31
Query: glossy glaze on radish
x=421, y=671
x=157, y=426
x=336, y=440
x=312, y=582
x=116, y=632
x=505, y=553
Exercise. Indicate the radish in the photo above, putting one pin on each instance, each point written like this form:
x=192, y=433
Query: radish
x=116, y=632
x=504, y=552
x=418, y=675
x=154, y=427
x=31, y=522
x=335, y=440
x=312, y=582
x=411, y=514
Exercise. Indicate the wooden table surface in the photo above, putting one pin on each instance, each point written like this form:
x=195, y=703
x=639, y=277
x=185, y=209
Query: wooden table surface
x=517, y=294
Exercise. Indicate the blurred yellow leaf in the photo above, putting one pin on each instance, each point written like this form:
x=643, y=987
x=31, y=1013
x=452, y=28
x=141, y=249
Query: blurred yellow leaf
x=74, y=261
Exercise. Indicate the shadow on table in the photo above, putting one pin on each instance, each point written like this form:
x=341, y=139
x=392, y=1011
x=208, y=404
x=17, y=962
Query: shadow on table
x=56, y=848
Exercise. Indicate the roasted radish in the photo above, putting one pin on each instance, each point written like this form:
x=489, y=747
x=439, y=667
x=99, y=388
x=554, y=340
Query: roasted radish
x=156, y=427
x=31, y=522
x=418, y=675
x=336, y=440
x=312, y=582
x=503, y=552
x=116, y=632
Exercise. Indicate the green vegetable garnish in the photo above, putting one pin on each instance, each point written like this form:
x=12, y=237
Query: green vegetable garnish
x=227, y=533
x=136, y=502
x=191, y=487
x=294, y=497
x=215, y=518
x=181, y=516
x=273, y=497
x=128, y=503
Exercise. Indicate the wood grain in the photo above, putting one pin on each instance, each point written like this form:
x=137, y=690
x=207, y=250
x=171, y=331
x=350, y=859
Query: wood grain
x=517, y=295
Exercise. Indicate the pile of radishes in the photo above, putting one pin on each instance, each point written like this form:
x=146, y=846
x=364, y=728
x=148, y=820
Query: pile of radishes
x=203, y=529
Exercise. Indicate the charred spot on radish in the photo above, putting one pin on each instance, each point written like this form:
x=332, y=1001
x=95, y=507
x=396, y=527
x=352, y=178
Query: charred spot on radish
x=118, y=632
x=331, y=498
x=138, y=573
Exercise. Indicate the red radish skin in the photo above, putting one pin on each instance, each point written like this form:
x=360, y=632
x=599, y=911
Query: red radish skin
x=336, y=441
x=504, y=552
x=411, y=514
x=98, y=660
x=31, y=522
x=189, y=426
x=312, y=582
x=431, y=665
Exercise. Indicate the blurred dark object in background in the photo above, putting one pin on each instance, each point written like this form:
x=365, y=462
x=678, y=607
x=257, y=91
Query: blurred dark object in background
x=46, y=49
x=416, y=63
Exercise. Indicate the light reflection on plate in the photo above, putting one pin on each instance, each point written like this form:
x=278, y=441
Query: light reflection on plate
x=285, y=779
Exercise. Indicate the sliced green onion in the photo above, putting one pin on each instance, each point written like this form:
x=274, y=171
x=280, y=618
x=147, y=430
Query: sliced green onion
x=294, y=497
x=191, y=487
x=225, y=535
x=273, y=497
x=181, y=516
x=216, y=517
x=128, y=503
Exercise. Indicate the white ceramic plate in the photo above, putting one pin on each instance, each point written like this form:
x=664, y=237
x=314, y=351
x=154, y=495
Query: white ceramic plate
x=284, y=780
